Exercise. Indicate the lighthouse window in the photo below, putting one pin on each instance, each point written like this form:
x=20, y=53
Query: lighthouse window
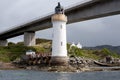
x=61, y=43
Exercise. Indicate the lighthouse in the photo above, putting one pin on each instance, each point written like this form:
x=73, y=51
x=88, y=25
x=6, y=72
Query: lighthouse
x=59, y=49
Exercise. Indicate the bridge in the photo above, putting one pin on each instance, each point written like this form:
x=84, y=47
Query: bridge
x=85, y=11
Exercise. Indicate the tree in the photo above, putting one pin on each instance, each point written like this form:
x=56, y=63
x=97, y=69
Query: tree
x=11, y=44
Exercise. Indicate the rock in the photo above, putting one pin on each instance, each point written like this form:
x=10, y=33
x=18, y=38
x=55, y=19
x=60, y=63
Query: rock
x=85, y=69
x=7, y=66
x=29, y=68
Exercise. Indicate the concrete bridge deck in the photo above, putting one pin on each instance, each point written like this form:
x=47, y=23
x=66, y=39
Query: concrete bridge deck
x=86, y=11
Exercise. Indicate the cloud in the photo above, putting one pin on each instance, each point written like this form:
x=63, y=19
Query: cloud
x=96, y=32
x=89, y=33
x=17, y=12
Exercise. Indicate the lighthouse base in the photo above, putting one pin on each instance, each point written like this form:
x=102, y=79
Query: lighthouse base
x=59, y=61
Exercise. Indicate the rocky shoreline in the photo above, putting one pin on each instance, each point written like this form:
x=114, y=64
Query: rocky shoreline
x=75, y=64
x=69, y=68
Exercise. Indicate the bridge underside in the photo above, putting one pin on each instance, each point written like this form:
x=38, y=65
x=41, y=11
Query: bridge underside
x=89, y=10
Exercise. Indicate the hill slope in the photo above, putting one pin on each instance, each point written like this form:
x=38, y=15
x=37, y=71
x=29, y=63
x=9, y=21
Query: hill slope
x=114, y=49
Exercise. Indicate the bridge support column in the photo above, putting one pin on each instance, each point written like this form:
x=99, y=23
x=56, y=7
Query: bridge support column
x=3, y=43
x=29, y=38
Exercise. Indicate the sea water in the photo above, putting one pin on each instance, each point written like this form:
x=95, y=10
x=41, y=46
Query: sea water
x=38, y=75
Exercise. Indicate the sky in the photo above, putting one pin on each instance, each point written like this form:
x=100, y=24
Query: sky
x=101, y=31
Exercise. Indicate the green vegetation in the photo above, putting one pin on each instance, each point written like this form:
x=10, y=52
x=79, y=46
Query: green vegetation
x=92, y=54
x=106, y=51
x=10, y=53
x=39, y=41
x=13, y=51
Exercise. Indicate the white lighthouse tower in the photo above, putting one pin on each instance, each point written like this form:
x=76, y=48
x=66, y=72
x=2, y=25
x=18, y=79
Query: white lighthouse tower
x=59, y=49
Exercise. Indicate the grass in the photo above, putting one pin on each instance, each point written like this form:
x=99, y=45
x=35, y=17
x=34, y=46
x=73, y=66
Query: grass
x=14, y=51
x=92, y=54
x=10, y=53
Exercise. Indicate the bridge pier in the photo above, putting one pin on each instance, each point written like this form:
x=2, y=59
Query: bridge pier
x=3, y=43
x=29, y=38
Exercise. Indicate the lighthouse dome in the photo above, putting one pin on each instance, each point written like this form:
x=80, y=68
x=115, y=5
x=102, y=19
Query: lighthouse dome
x=59, y=9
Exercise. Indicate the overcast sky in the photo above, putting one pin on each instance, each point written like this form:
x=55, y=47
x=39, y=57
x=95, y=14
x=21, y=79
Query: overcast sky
x=102, y=31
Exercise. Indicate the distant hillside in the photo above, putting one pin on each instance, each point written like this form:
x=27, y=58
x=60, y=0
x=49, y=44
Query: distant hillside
x=14, y=51
x=38, y=40
x=114, y=49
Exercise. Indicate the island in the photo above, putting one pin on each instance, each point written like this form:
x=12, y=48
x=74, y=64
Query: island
x=18, y=56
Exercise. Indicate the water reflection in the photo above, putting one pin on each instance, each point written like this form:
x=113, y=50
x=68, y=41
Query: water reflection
x=38, y=75
x=63, y=76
